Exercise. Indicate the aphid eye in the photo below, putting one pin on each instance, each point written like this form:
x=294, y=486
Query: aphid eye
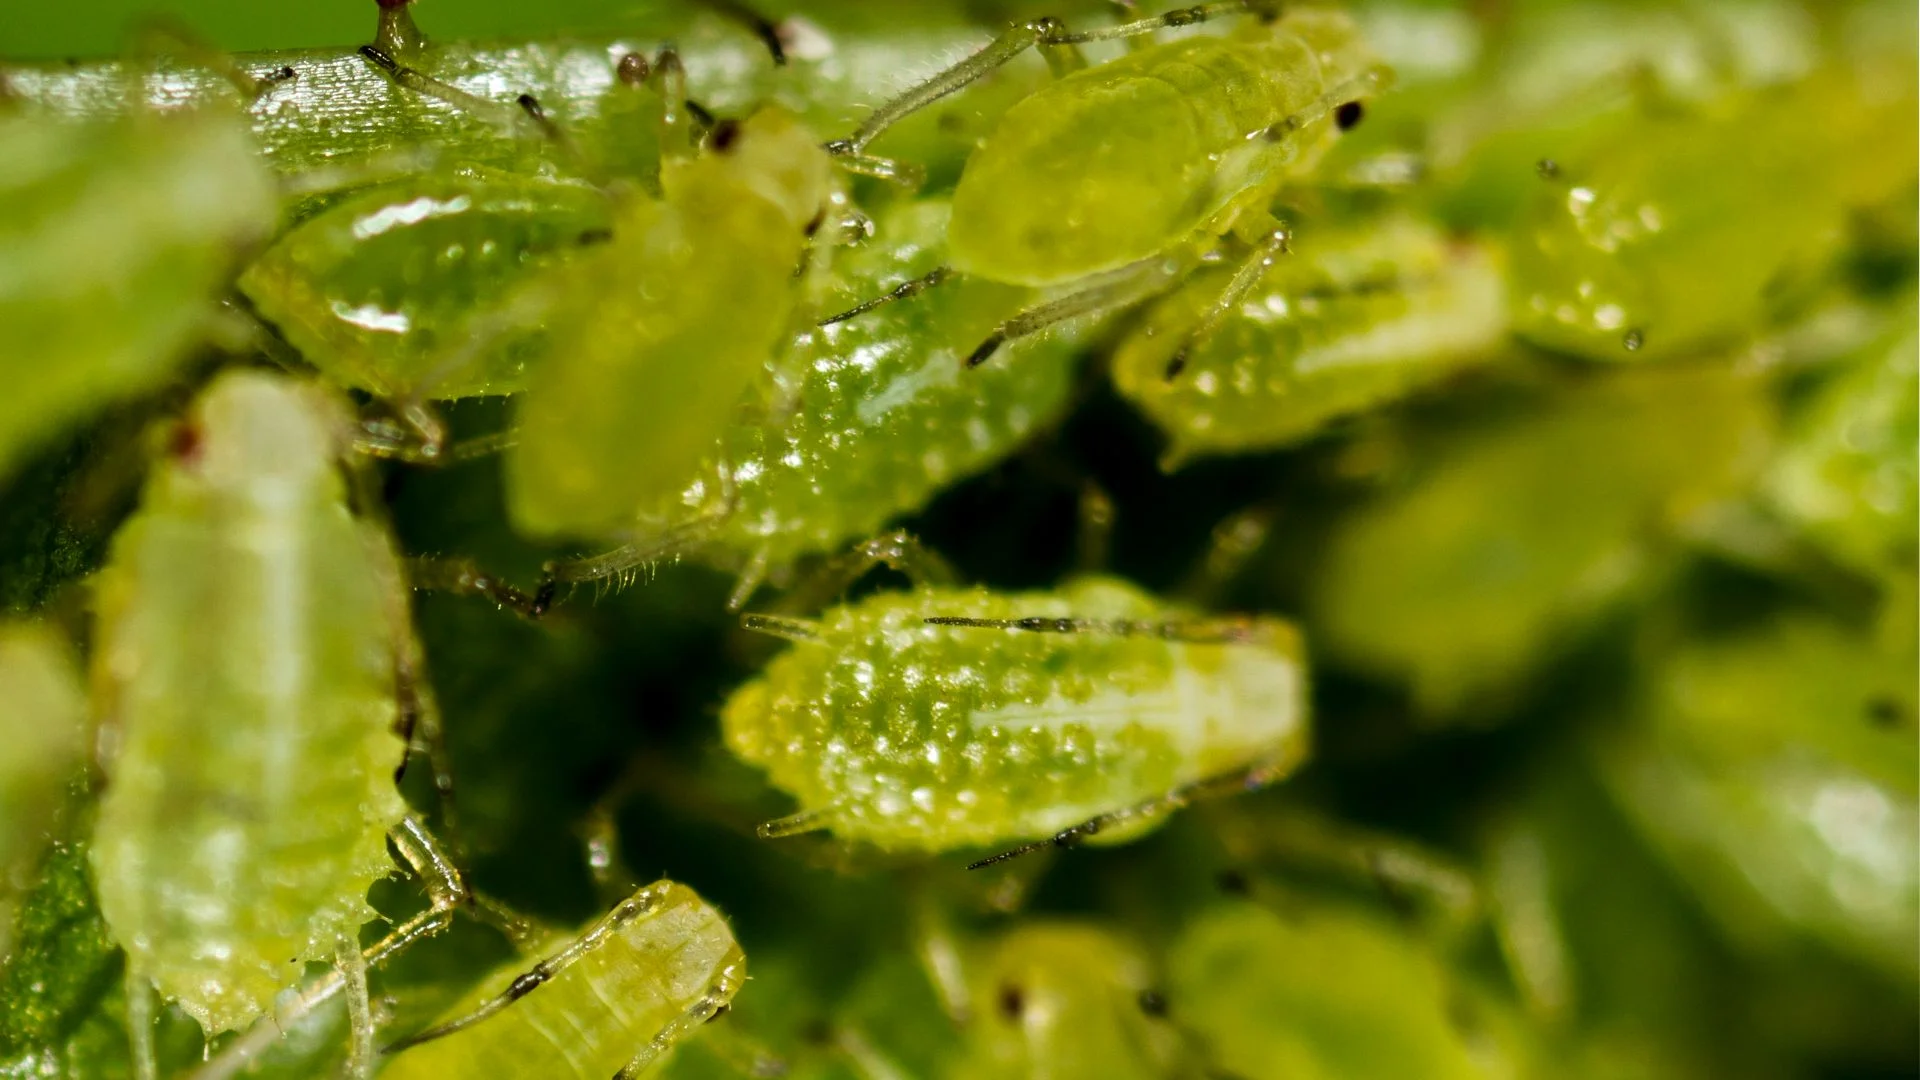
x=1153, y=1003
x=1883, y=712
x=634, y=69
x=1012, y=1001
x=725, y=134
x=185, y=442
x=1348, y=116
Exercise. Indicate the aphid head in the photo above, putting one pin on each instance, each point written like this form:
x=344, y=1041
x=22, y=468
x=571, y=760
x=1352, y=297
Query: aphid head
x=254, y=434
x=774, y=154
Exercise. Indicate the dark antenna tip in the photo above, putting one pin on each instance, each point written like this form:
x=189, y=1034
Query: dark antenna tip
x=986, y=350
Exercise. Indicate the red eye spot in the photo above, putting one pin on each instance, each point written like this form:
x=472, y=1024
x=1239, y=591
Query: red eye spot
x=185, y=443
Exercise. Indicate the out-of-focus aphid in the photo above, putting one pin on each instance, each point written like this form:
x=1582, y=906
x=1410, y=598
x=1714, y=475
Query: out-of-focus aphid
x=115, y=239
x=1357, y=316
x=882, y=420
x=1065, y=1000
x=941, y=718
x=1112, y=179
x=1846, y=472
x=1324, y=990
x=42, y=733
x=1775, y=769
x=1683, y=233
x=251, y=653
x=1510, y=537
x=378, y=287
x=609, y=1000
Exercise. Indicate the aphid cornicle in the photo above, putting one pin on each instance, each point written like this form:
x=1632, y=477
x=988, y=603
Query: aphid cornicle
x=942, y=718
x=114, y=240
x=1110, y=175
x=1359, y=315
x=607, y=1002
x=247, y=667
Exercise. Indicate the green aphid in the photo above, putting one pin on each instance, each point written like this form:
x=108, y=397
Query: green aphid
x=115, y=240
x=1065, y=1000
x=377, y=289
x=660, y=333
x=610, y=1000
x=1846, y=470
x=1509, y=538
x=943, y=718
x=1326, y=991
x=1685, y=233
x=883, y=417
x=43, y=731
x=1105, y=179
x=1358, y=316
x=1775, y=769
x=244, y=669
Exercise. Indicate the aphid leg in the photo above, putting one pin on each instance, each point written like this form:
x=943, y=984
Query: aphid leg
x=939, y=953
x=1217, y=630
x=899, y=551
x=421, y=728
x=1233, y=544
x=791, y=628
x=398, y=35
x=140, y=1024
x=1524, y=916
x=805, y=821
x=462, y=577
x=1250, y=778
x=641, y=903
x=506, y=117
x=753, y=574
x=628, y=558
x=1265, y=254
x=353, y=973
x=703, y=1010
x=939, y=275
x=1095, y=511
x=1018, y=39
x=416, y=434
x=1118, y=288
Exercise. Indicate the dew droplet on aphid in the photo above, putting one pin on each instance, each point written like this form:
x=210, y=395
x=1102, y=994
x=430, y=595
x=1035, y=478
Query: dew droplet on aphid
x=1633, y=340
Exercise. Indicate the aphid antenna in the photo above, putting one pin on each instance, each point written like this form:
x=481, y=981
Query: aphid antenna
x=507, y=118
x=937, y=276
x=791, y=628
x=1193, y=632
x=1372, y=81
x=1123, y=287
x=1250, y=778
x=463, y=576
x=765, y=29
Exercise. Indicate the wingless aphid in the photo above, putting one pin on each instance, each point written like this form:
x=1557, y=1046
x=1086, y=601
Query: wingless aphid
x=1112, y=180
x=115, y=238
x=941, y=718
x=1363, y=313
x=657, y=335
x=251, y=650
x=883, y=417
x=608, y=1001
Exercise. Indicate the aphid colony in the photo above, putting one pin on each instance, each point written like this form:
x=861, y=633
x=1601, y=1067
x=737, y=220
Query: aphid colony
x=1556, y=371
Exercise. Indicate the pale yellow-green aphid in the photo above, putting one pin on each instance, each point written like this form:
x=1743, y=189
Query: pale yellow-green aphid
x=247, y=669
x=606, y=1002
x=42, y=733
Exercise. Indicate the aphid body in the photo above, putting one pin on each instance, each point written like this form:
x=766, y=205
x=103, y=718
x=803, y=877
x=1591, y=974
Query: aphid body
x=1322, y=990
x=1653, y=246
x=912, y=735
x=884, y=416
x=1506, y=540
x=1128, y=159
x=42, y=732
x=608, y=1002
x=115, y=238
x=1060, y=1000
x=665, y=328
x=1774, y=771
x=1357, y=316
x=377, y=288
x=244, y=666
